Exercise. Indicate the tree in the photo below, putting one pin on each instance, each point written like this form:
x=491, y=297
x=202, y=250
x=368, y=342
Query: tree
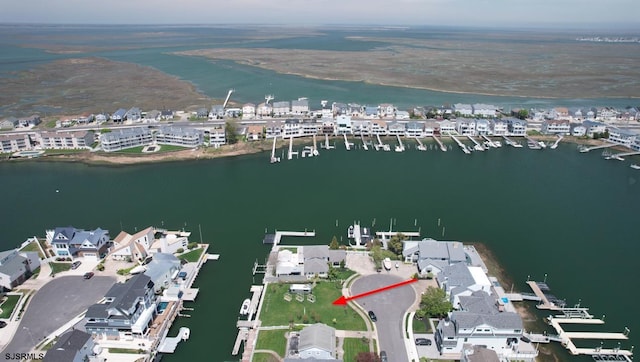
x=523, y=114
x=434, y=303
x=230, y=133
x=334, y=243
x=395, y=243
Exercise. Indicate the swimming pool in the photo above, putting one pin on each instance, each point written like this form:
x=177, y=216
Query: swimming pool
x=505, y=300
x=161, y=307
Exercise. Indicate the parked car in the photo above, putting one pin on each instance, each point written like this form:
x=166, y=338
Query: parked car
x=3, y=324
x=383, y=356
x=88, y=275
x=423, y=342
x=75, y=264
x=373, y=316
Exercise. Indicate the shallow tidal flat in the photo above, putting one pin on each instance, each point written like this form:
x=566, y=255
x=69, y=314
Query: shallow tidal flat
x=494, y=65
x=91, y=85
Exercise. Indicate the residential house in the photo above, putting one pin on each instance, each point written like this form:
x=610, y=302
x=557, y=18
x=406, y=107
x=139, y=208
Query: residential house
x=72, y=346
x=300, y=107
x=355, y=110
x=166, y=114
x=459, y=280
x=594, y=127
x=447, y=126
x=621, y=136
x=133, y=114
x=432, y=256
x=464, y=110
x=499, y=127
x=16, y=267
x=14, y=142
x=401, y=115
x=254, y=132
x=291, y=128
x=483, y=127
x=431, y=127
x=123, y=138
x=162, y=269
x=9, y=123
x=635, y=145
x=386, y=110
x=516, y=127
x=343, y=123
x=101, y=118
x=329, y=127
x=281, y=109
x=466, y=127
x=179, y=136
x=370, y=112
x=274, y=129
x=318, y=342
x=264, y=110
x=340, y=108
x=606, y=114
x=69, y=242
x=248, y=111
x=396, y=128
x=170, y=242
x=65, y=140
x=317, y=259
x=217, y=112
x=217, y=137
x=484, y=110
x=152, y=116
x=132, y=247
x=127, y=310
x=579, y=131
x=415, y=129
x=289, y=263
x=556, y=126
x=559, y=113
x=119, y=115
x=379, y=127
x=30, y=121
x=473, y=353
x=309, y=127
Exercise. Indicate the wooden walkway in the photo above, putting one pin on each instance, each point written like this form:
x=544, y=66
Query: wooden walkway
x=566, y=337
x=545, y=303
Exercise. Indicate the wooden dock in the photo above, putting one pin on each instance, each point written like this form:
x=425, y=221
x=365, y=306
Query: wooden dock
x=567, y=337
x=544, y=302
x=279, y=234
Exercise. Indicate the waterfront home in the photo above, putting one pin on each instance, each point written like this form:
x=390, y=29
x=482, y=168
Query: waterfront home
x=355, y=110
x=499, y=127
x=594, y=127
x=338, y=108
x=431, y=256
x=325, y=113
x=124, y=138
x=483, y=127
x=126, y=312
x=248, y=111
x=559, y=113
x=386, y=110
x=217, y=137
x=466, y=127
x=578, y=130
x=343, y=123
x=317, y=342
x=274, y=129
x=402, y=115
x=170, y=242
x=289, y=263
x=370, y=112
x=179, y=136
x=152, y=116
x=447, y=126
x=635, y=145
x=162, y=269
x=622, y=136
x=414, y=129
x=556, y=126
x=281, y=109
x=517, y=127
x=264, y=110
x=396, y=128
x=379, y=127
x=606, y=114
x=69, y=242
x=72, y=346
x=317, y=258
x=484, y=110
x=464, y=110
x=291, y=128
x=217, y=112
x=167, y=114
x=101, y=118
x=65, y=140
x=471, y=353
x=300, y=107
x=480, y=321
x=309, y=127
x=431, y=127
x=118, y=116
x=133, y=114
x=30, y=121
x=14, y=142
x=202, y=113
x=459, y=280
x=254, y=132
x=9, y=123
x=16, y=267
x=328, y=127
x=132, y=247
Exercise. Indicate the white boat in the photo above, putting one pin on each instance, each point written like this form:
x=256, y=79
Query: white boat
x=244, y=310
x=387, y=263
x=635, y=167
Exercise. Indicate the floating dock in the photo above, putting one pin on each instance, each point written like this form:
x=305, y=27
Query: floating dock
x=545, y=303
x=584, y=149
x=169, y=344
x=511, y=143
x=555, y=145
x=476, y=145
x=567, y=337
x=442, y=147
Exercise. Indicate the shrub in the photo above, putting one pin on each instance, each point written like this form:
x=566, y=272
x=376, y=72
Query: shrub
x=100, y=267
x=192, y=245
x=180, y=250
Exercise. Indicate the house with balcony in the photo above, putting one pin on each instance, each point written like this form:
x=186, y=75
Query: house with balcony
x=179, y=136
x=556, y=126
x=432, y=256
x=635, y=145
x=127, y=310
x=386, y=110
x=9, y=123
x=499, y=127
x=415, y=129
x=594, y=127
x=464, y=110
x=624, y=137
x=254, y=132
x=14, y=142
x=281, y=109
x=134, y=114
x=69, y=242
x=119, y=115
x=248, y=111
x=170, y=242
x=291, y=128
x=354, y=110
x=396, y=128
x=579, y=130
x=300, y=107
x=162, y=269
x=484, y=110
x=124, y=138
x=379, y=127
x=370, y=112
x=274, y=129
x=431, y=127
x=16, y=267
x=466, y=127
x=73, y=140
x=328, y=127
x=309, y=127
x=447, y=126
x=132, y=247
x=264, y=110
x=361, y=127
x=343, y=124
x=483, y=127
x=72, y=346
x=517, y=127
x=217, y=137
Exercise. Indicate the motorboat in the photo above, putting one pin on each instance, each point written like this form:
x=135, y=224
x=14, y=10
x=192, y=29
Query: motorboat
x=244, y=310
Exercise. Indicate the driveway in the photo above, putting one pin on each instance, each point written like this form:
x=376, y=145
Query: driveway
x=390, y=307
x=55, y=304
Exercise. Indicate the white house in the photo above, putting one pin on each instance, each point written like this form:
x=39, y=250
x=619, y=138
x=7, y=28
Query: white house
x=484, y=110
x=170, y=241
x=132, y=247
x=217, y=137
x=300, y=107
x=162, y=269
x=292, y=128
x=318, y=342
x=465, y=110
x=379, y=127
x=361, y=127
x=517, y=127
x=281, y=109
x=466, y=127
x=482, y=127
x=396, y=128
x=622, y=136
x=579, y=131
x=264, y=110
x=447, y=126
x=556, y=126
x=248, y=111
x=499, y=127
x=386, y=110
x=16, y=267
x=14, y=143
x=69, y=242
x=343, y=123
x=594, y=127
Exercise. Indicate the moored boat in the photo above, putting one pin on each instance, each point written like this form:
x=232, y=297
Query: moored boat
x=244, y=310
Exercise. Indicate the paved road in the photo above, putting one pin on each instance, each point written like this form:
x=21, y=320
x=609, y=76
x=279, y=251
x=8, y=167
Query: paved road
x=390, y=307
x=56, y=303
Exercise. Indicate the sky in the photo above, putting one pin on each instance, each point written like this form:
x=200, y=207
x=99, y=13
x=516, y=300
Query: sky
x=489, y=13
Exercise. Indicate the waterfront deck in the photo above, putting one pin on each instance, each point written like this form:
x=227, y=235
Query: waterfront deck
x=279, y=234
x=537, y=287
x=587, y=149
x=169, y=344
x=567, y=337
x=442, y=146
x=463, y=147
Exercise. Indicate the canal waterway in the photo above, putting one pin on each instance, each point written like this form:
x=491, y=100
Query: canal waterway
x=558, y=212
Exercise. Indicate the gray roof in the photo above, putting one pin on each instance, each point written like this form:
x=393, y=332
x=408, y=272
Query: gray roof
x=300, y=103
x=504, y=320
x=481, y=354
x=315, y=252
x=456, y=275
x=452, y=251
x=120, y=113
x=64, y=233
x=124, y=296
x=161, y=264
x=13, y=266
x=319, y=336
x=315, y=266
x=336, y=256
x=120, y=133
x=67, y=346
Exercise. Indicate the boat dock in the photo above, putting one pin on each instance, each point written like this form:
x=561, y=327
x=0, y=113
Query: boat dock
x=364, y=144
x=511, y=143
x=533, y=144
x=291, y=151
x=489, y=141
x=476, y=145
x=462, y=145
x=539, y=289
x=169, y=344
x=421, y=147
x=327, y=146
x=567, y=337
x=442, y=147
x=381, y=145
x=555, y=145
x=315, y=146
x=583, y=149
x=275, y=238
x=274, y=159
x=619, y=156
x=247, y=329
x=400, y=146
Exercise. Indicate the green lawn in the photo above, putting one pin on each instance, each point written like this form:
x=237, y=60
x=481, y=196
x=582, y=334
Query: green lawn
x=272, y=340
x=353, y=346
x=125, y=350
x=263, y=357
x=33, y=247
x=276, y=311
x=421, y=326
x=344, y=274
x=171, y=148
x=8, y=305
x=132, y=150
x=63, y=151
x=59, y=267
x=192, y=256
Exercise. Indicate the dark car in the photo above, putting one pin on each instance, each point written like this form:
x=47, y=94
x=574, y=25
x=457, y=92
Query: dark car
x=383, y=356
x=373, y=316
x=88, y=275
x=3, y=324
x=423, y=342
x=75, y=264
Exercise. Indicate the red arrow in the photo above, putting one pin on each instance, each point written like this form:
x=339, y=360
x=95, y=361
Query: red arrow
x=343, y=300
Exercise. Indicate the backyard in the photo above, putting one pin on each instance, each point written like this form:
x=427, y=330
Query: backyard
x=8, y=304
x=276, y=311
x=273, y=340
x=59, y=267
x=192, y=256
x=353, y=346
